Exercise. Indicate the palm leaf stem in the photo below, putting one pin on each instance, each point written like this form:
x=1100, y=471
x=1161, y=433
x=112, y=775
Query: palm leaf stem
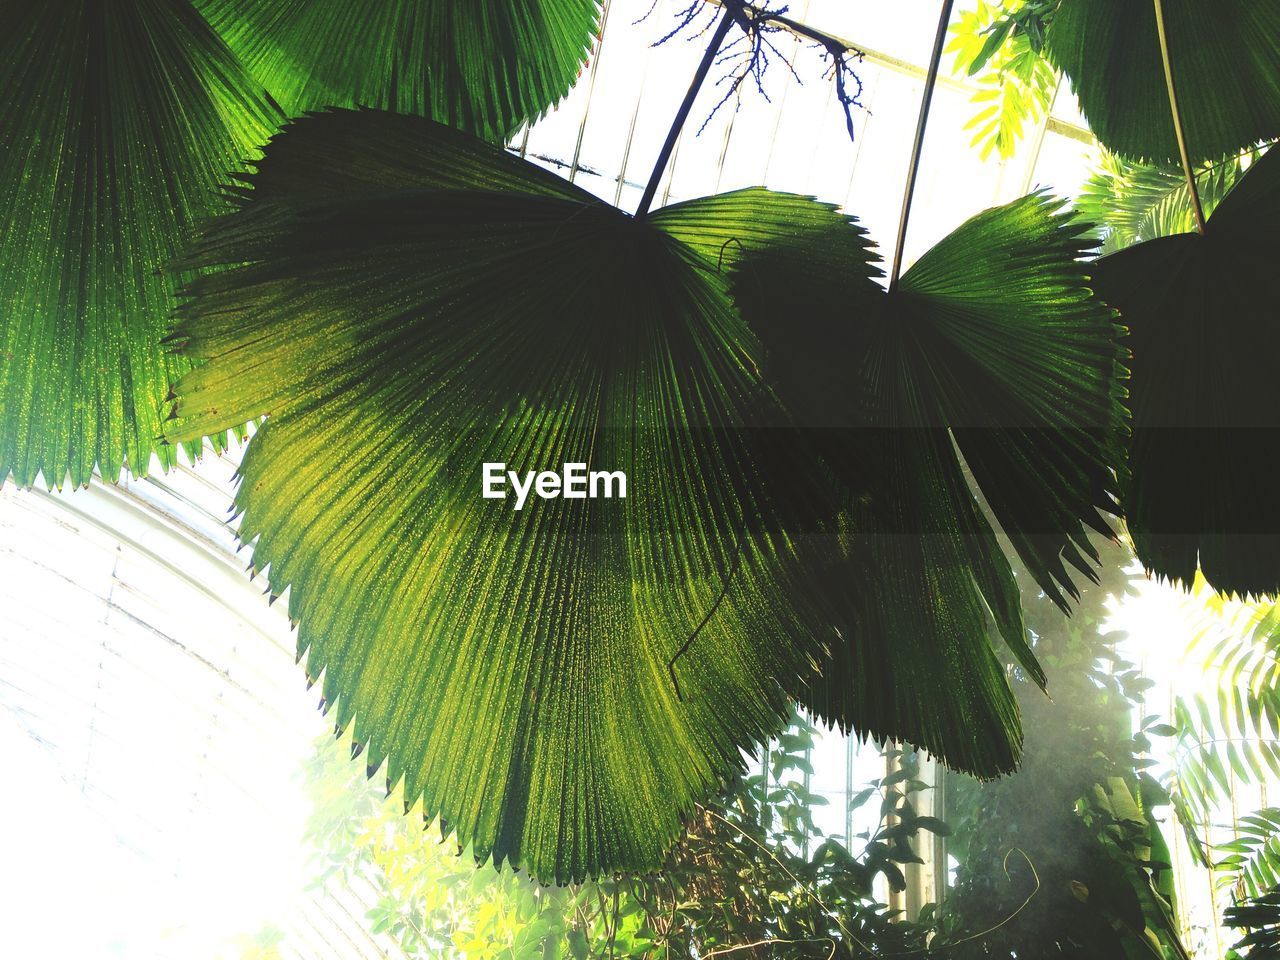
x=732, y=9
x=1196, y=206
x=684, y=647
x=930, y=80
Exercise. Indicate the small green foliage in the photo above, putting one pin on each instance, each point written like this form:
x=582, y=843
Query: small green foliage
x=1065, y=858
x=1000, y=46
x=1229, y=737
x=1259, y=918
x=753, y=869
x=1134, y=202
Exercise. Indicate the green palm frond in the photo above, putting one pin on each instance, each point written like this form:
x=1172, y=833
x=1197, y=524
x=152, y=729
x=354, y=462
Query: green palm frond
x=1259, y=919
x=993, y=349
x=1229, y=737
x=1026, y=371
x=411, y=303
x=1225, y=58
x=481, y=65
x=905, y=621
x=119, y=123
x=1134, y=202
x=1252, y=860
x=1199, y=312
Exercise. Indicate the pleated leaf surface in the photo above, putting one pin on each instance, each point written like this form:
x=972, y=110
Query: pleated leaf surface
x=119, y=125
x=482, y=65
x=1225, y=58
x=407, y=304
x=991, y=346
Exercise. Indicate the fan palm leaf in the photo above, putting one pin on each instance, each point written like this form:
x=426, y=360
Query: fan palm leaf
x=992, y=348
x=407, y=303
x=482, y=65
x=1225, y=59
x=118, y=124
x=1199, y=311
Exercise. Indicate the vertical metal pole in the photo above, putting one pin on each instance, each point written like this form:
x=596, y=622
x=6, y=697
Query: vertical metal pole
x=1196, y=207
x=913, y=168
